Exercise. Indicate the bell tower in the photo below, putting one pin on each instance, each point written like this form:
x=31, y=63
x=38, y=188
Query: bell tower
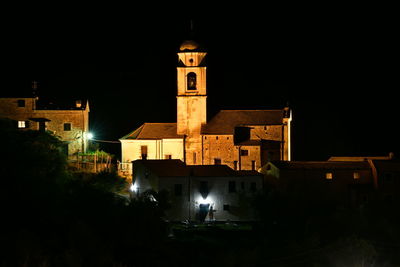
x=191, y=99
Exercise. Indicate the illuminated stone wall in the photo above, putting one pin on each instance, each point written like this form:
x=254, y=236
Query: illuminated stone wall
x=77, y=118
x=156, y=149
x=191, y=104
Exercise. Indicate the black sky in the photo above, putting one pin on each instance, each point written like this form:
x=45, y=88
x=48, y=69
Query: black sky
x=335, y=66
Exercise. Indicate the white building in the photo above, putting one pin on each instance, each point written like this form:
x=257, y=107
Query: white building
x=200, y=192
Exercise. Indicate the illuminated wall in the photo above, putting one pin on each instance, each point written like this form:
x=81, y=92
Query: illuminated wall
x=156, y=149
x=54, y=121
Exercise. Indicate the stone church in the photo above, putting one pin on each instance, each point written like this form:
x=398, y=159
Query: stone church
x=241, y=139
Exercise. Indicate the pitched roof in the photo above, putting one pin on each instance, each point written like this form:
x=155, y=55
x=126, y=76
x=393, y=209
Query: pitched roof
x=153, y=131
x=177, y=168
x=323, y=165
x=226, y=120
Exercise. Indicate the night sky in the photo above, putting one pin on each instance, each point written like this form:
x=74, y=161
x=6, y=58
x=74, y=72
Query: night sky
x=335, y=67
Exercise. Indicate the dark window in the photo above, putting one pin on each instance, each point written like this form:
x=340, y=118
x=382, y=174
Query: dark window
x=67, y=126
x=244, y=152
x=227, y=207
x=194, y=158
x=253, y=187
x=253, y=165
x=191, y=81
x=21, y=103
x=178, y=190
x=232, y=187
x=143, y=150
x=168, y=156
x=217, y=161
x=216, y=137
x=42, y=126
x=242, y=185
x=203, y=188
x=235, y=165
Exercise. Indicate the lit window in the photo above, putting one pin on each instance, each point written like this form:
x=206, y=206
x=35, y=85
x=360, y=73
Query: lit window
x=356, y=175
x=21, y=124
x=329, y=176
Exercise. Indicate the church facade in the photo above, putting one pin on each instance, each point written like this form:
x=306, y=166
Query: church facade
x=241, y=139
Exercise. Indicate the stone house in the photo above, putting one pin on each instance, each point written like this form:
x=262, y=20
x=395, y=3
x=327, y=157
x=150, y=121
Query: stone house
x=199, y=192
x=344, y=181
x=69, y=120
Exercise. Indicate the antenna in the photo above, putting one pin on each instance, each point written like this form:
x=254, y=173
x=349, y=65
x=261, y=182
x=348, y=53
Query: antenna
x=191, y=28
x=34, y=88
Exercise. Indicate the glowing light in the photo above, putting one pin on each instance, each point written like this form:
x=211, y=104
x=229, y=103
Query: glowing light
x=89, y=136
x=207, y=200
x=133, y=188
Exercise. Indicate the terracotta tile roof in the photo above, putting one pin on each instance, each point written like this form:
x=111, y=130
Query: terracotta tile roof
x=177, y=168
x=153, y=131
x=226, y=120
x=324, y=165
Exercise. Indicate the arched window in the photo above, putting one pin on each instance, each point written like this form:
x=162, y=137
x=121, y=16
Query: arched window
x=191, y=81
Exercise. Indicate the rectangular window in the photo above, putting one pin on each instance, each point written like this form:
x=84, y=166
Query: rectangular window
x=253, y=187
x=227, y=207
x=203, y=187
x=253, y=165
x=244, y=152
x=217, y=161
x=168, y=156
x=67, y=126
x=232, y=187
x=194, y=158
x=329, y=176
x=178, y=189
x=143, y=150
x=356, y=175
x=21, y=124
x=21, y=103
x=242, y=185
x=42, y=126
